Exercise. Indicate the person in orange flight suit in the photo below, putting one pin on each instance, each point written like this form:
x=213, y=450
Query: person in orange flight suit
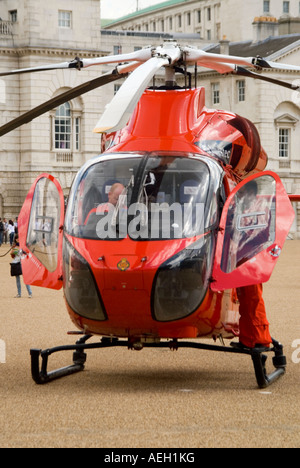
x=254, y=326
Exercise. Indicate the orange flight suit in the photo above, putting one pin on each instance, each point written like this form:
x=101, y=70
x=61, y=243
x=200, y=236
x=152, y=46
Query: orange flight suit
x=254, y=326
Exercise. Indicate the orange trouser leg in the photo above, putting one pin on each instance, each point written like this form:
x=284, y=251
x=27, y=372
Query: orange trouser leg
x=254, y=326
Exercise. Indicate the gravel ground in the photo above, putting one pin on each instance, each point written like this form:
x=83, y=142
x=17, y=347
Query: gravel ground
x=153, y=398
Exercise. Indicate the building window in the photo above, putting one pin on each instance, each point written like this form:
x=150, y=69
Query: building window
x=179, y=21
x=117, y=49
x=241, y=89
x=266, y=6
x=199, y=16
x=208, y=14
x=215, y=93
x=284, y=143
x=13, y=15
x=208, y=34
x=171, y=23
x=188, y=19
x=77, y=133
x=66, y=129
x=116, y=88
x=65, y=19
x=63, y=127
x=286, y=7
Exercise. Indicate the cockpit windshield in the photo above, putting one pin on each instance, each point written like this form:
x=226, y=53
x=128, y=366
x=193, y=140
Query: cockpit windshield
x=143, y=196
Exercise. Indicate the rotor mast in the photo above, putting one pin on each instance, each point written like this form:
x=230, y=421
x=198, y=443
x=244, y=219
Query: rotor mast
x=170, y=76
x=172, y=52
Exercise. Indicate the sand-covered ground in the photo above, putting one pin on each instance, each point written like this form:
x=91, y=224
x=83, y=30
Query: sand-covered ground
x=153, y=398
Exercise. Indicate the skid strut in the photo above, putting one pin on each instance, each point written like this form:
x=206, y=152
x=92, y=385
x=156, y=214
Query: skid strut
x=41, y=376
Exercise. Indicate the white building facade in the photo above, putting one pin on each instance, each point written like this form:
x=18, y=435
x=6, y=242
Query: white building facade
x=212, y=20
x=34, y=33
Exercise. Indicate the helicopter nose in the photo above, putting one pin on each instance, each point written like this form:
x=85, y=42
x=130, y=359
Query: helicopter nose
x=123, y=273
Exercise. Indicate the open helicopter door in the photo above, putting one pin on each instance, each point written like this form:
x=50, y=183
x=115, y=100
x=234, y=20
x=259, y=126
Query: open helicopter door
x=41, y=232
x=255, y=222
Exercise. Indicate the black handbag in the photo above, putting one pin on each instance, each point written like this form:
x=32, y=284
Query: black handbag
x=16, y=269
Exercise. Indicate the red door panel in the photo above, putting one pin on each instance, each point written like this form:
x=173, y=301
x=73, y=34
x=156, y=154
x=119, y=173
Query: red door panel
x=255, y=222
x=40, y=233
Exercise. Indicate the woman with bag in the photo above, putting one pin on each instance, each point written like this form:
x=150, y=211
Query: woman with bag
x=16, y=270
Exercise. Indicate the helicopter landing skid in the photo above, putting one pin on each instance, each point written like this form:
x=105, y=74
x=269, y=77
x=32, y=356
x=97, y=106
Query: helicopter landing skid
x=42, y=376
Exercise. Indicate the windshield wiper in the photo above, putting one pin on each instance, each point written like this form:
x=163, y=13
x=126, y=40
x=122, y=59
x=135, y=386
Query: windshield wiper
x=122, y=201
x=144, y=197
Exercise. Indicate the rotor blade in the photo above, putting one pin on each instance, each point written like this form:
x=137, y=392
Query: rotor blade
x=57, y=66
x=219, y=67
x=263, y=63
x=121, y=107
x=243, y=72
x=139, y=56
x=60, y=99
x=207, y=60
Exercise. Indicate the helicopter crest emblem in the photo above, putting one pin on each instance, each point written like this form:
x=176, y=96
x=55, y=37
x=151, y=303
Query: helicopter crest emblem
x=123, y=264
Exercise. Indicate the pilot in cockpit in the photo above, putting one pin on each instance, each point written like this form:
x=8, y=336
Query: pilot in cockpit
x=114, y=193
x=113, y=197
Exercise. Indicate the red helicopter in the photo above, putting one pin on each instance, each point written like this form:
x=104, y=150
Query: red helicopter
x=156, y=235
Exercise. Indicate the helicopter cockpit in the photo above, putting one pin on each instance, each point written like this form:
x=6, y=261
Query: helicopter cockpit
x=153, y=197
x=144, y=196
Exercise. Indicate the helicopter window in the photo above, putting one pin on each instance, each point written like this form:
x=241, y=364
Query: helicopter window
x=181, y=282
x=43, y=230
x=250, y=225
x=96, y=193
x=143, y=197
x=80, y=287
x=175, y=192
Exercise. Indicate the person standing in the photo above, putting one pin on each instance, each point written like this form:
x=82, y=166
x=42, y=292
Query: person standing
x=16, y=225
x=1, y=231
x=16, y=269
x=11, y=232
x=5, y=234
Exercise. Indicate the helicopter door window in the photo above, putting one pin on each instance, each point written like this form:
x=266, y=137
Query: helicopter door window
x=250, y=226
x=43, y=230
